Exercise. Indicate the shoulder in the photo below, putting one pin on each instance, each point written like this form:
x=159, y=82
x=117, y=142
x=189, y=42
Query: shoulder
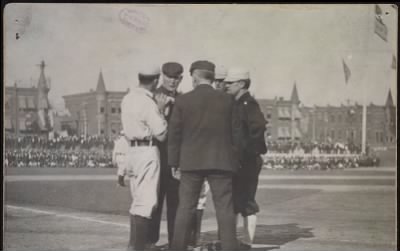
x=249, y=101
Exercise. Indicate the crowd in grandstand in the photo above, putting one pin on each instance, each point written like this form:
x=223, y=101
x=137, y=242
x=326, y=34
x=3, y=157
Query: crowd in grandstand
x=64, y=143
x=323, y=162
x=33, y=151
x=312, y=147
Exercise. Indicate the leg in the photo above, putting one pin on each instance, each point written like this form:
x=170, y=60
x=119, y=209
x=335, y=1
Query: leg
x=172, y=205
x=250, y=205
x=221, y=189
x=145, y=179
x=154, y=231
x=189, y=191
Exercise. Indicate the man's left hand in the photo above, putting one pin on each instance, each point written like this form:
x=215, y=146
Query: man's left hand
x=176, y=173
x=121, y=181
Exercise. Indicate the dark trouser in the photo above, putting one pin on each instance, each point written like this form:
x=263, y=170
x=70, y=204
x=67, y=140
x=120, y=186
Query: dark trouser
x=189, y=191
x=245, y=184
x=169, y=189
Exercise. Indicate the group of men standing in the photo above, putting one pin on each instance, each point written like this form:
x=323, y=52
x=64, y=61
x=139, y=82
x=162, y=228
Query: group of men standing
x=175, y=142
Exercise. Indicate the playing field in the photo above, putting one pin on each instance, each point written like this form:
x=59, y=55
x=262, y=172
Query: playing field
x=83, y=209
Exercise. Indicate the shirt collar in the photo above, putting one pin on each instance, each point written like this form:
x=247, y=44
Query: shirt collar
x=144, y=91
x=243, y=94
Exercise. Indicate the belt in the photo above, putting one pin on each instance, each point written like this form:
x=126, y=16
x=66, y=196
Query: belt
x=141, y=142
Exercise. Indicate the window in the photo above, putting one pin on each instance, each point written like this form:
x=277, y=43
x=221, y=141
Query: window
x=101, y=131
x=339, y=118
x=101, y=109
x=268, y=115
x=113, y=131
x=119, y=109
x=333, y=134
x=332, y=118
x=113, y=110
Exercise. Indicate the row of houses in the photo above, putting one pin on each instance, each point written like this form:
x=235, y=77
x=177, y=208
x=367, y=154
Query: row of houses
x=98, y=112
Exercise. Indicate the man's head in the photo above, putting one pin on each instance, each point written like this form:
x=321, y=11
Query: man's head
x=237, y=81
x=202, y=72
x=220, y=75
x=148, y=77
x=171, y=75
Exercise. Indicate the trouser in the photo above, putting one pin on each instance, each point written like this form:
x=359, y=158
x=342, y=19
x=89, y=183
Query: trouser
x=245, y=184
x=189, y=191
x=169, y=189
x=143, y=167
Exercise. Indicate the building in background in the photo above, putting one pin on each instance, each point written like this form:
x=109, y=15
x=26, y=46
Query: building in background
x=27, y=110
x=288, y=120
x=95, y=112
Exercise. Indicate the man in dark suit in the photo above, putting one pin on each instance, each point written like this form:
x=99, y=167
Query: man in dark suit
x=171, y=78
x=200, y=146
x=252, y=145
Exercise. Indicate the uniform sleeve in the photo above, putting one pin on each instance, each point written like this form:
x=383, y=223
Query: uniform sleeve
x=155, y=120
x=175, y=130
x=256, y=124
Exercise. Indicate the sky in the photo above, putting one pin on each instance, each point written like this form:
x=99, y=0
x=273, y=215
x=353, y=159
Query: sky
x=279, y=44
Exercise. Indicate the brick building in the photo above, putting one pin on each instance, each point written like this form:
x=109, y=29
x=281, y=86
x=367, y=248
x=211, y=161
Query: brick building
x=27, y=110
x=95, y=112
x=289, y=120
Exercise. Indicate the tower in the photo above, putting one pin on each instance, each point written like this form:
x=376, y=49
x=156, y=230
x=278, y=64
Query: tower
x=390, y=118
x=43, y=105
x=294, y=115
x=101, y=94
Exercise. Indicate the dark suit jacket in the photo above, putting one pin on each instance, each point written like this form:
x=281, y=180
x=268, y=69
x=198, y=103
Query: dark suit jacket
x=252, y=123
x=200, y=133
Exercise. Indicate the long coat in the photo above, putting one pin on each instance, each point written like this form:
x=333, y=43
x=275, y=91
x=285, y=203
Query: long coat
x=200, y=135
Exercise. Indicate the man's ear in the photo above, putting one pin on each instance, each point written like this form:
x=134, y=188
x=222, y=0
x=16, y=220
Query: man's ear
x=242, y=84
x=180, y=78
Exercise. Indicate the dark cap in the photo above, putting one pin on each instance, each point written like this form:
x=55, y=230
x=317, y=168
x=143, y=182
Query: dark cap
x=172, y=69
x=202, y=65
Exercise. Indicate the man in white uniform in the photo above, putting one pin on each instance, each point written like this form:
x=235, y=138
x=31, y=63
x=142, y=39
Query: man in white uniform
x=121, y=146
x=143, y=124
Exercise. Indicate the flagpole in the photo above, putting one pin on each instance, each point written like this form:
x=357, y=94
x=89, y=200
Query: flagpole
x=364, y=110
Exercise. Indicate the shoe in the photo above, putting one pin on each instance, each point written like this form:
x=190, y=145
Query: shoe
x=152, y=247
x=244, y=246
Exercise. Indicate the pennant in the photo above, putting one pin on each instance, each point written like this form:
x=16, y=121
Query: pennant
x=378, y=10
x=380, y=28
x=347, y=72
x=394, y=63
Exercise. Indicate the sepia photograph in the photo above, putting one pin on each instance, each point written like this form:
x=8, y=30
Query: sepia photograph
x=200, y=127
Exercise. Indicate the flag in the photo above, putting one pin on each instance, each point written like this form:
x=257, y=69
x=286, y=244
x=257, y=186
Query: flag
x=378, y=10
x=380, y=28
x=394, y=63
x=347, y=72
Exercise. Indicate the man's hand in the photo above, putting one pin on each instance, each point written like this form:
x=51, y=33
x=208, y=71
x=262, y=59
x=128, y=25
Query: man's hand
x=121, y=181
x=176, y=173
x=161, y=100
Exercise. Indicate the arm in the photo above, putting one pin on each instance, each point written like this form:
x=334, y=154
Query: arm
x=256, y=125
x=175, y=136
x=156, y=121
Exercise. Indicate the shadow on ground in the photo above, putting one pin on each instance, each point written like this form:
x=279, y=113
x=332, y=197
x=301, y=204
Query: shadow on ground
x=272, y=236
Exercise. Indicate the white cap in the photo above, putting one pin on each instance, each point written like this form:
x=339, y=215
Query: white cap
x=150, y=70
x=236, y=74
x=220, y=72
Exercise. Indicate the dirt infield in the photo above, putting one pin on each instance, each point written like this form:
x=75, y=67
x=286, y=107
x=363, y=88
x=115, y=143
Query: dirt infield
x=66, y=209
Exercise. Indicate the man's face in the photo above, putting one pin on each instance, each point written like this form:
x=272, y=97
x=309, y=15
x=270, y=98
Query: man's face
x=171, y=84
x=233, y=88
x=220, y=85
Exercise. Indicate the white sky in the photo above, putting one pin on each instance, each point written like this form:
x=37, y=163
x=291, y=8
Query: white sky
x=279, y=44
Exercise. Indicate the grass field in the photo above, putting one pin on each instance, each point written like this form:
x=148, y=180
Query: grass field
x=83, y=209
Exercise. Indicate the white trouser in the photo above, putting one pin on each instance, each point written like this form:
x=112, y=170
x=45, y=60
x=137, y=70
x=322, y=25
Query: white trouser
x=143, y=169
